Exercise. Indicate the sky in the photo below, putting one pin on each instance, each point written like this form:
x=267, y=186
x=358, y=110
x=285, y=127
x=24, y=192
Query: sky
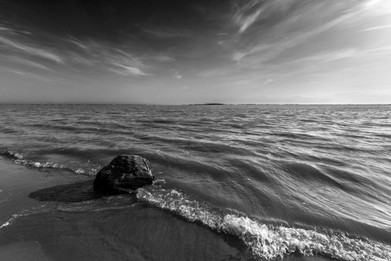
x=195, y=51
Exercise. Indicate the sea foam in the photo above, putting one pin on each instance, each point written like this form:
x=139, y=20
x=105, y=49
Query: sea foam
x=19, y=159
x=267, y=241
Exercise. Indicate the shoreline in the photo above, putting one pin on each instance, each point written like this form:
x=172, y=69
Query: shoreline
x=20, y=182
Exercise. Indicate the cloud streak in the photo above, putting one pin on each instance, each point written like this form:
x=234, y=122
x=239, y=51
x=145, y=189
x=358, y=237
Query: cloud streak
x=27, y=74
x=246, y=15
x=176, y=74
x=31, y=50
x=24, y=62
x=266, y=52
x=380, y=27
x=127, y=70
x=71, y=52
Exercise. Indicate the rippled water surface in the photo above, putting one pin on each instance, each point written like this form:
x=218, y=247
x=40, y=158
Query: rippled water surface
x=278, y=181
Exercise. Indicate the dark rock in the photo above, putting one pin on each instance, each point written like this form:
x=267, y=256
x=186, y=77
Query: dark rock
x=124, y=173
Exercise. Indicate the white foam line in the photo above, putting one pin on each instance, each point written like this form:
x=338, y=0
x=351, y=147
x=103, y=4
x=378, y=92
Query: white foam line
x=10, y=221
x=7, y=223
x=268, y=241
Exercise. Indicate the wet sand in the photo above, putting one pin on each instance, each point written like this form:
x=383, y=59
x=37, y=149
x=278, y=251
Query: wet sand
x=17, y=182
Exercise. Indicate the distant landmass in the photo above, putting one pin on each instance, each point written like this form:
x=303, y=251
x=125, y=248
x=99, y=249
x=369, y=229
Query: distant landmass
x=209, y=103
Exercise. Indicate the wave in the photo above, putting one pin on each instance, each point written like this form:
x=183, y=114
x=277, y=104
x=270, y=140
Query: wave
x=80, y=128
x=267, y=241
x=19, y=159
x=9, y=130
x=307, y=172
x=11, y=220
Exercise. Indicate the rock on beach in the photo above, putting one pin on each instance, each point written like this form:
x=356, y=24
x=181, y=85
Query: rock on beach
x=123, y=174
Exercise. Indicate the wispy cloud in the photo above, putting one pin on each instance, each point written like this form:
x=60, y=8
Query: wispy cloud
x=263, y=52
x=22, y=61
x=31, y=50
x=380, y=27
x=105, y=56
x=382, y=7
x=71, y=52
x=265, y=56
x=77, y=43
x=247, y=14
x=127, y=70
x=124, y=63
x=176, y=74
x=338, y=55
x=263, y=45
x=250, y=12
x=161, y=58
x=27, y=74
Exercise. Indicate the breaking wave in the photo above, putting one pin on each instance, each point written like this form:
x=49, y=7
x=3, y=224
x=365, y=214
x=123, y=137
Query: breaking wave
x=11, y=220
x=19, y=159
x=267, y=241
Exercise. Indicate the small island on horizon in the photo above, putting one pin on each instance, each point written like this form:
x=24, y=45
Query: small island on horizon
x=211, y=103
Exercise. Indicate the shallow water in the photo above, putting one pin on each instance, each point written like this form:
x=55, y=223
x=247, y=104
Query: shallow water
x=237, y=182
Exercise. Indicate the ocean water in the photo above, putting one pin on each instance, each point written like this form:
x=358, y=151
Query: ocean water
x=234, y=182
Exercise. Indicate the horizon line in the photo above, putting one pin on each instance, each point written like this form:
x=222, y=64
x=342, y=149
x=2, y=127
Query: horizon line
x=182, y=104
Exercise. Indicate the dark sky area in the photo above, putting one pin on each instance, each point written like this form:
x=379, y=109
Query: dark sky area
x=178, y=52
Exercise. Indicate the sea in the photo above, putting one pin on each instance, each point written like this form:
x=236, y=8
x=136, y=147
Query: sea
x=233, y=182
